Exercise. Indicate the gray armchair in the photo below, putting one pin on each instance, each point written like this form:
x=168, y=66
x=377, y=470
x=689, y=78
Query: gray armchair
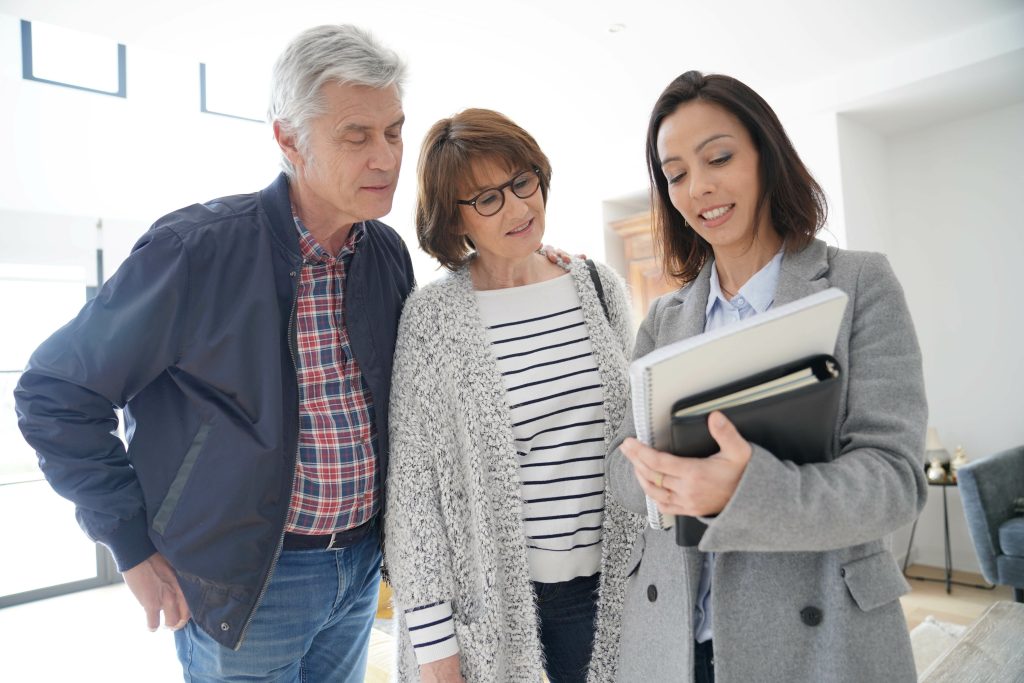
x=990, y=489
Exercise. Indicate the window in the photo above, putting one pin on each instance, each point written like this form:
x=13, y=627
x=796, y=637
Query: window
x=56, y=557
x=236, y=91
x=59, y=56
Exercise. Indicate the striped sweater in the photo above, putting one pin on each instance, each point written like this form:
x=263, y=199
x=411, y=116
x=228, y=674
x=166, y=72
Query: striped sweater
x=546, y=361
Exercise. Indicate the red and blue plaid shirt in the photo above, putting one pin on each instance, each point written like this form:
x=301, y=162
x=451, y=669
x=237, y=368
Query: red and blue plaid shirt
x=336, y=471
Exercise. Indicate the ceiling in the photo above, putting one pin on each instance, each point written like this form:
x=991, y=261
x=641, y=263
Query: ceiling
x=772, y=44
x=555, y=66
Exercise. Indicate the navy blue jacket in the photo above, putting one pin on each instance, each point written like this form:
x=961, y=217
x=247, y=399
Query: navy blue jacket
x=193, y=337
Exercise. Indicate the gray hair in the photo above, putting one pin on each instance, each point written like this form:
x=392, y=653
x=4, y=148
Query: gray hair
x=329, y=53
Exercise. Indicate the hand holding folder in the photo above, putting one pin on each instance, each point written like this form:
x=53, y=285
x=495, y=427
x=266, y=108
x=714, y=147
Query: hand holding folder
x=789, y=410
x=722, y=364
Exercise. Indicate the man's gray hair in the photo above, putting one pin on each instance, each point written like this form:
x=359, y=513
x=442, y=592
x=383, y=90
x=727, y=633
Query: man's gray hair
x=329, y=53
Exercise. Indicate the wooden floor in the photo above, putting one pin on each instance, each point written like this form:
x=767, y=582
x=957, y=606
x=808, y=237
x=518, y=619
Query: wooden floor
x=961, y=606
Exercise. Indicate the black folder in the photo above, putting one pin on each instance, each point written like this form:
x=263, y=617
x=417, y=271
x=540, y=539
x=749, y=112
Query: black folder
x=790, y=410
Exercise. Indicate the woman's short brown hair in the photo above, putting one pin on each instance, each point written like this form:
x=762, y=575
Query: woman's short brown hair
x=446, y=168
x=795, y=201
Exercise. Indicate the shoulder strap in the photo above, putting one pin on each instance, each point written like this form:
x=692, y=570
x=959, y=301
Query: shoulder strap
x=598, y=287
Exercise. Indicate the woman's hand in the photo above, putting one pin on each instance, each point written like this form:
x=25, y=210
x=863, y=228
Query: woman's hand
x=697, y=487
x=442, y=671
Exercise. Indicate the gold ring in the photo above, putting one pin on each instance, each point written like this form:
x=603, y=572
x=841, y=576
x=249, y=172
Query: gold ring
x=661, y=480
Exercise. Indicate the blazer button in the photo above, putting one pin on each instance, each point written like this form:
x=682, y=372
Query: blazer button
x=810, y=616
x=652, y=592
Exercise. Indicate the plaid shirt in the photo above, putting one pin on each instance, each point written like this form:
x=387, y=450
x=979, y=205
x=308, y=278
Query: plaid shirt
x=335, y=474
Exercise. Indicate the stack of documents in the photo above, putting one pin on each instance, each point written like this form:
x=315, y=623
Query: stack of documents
x=731, y=365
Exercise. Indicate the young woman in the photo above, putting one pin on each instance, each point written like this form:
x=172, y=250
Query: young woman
x=510, y=381
x=792, y=580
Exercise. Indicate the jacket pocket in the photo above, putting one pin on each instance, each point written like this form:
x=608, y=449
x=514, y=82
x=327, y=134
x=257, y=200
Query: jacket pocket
x=874, y=580
x=174, y=491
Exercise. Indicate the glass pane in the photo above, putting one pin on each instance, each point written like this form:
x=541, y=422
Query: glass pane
x=54, y=550
x=237, y=89
x=74, y=58
x=41, y=299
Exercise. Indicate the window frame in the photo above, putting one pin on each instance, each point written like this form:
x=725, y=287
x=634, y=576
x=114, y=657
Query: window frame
x=202, y=100
x=28, y=74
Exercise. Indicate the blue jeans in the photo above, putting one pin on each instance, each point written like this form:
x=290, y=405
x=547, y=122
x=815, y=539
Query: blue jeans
x=567, y=614
x=313, y=624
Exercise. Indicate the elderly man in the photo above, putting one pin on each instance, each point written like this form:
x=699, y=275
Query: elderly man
x=249, y=341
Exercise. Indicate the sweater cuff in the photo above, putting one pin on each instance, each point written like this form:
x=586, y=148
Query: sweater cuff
x=432, y=632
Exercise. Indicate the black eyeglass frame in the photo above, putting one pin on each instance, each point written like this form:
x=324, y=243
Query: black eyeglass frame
x=501, y=192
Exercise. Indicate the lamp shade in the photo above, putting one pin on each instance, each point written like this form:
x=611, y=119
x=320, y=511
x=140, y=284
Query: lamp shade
x=933, y=447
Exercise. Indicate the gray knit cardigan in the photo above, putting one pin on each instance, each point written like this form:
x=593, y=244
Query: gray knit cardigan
x=454, y=527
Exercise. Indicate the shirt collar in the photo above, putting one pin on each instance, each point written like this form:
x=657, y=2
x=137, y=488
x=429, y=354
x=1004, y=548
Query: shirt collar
x=312, y=251
x=758, y=292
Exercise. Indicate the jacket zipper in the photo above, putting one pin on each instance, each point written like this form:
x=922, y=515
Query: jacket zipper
x=280, y=540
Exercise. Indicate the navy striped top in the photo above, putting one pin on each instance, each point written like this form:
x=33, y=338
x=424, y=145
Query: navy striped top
x=540, y=340
x=543, y=351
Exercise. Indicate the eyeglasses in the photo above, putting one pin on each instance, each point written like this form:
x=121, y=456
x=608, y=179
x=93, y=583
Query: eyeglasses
x=491, y=201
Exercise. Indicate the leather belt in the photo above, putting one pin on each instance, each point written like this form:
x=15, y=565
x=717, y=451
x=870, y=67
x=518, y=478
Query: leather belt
x=335, y=541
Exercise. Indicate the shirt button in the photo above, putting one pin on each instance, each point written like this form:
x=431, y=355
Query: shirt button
x=740, y=301
x=652, y=592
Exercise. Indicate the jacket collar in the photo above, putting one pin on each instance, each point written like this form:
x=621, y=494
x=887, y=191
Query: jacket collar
x=277, y=205
x=802, y=273
x=694, y=298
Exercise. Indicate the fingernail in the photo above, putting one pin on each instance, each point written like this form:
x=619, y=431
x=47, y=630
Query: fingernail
x=719, y=420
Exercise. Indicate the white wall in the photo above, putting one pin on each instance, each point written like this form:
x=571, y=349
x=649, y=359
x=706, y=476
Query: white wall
x=957, y=235
x=865, y=188
x=945, y=203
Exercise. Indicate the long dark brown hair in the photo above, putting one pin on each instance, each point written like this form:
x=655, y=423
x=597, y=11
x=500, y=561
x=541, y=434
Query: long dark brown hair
x=795, y=201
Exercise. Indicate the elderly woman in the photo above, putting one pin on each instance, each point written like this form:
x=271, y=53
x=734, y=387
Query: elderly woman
x=792, y=580
x=510, y=379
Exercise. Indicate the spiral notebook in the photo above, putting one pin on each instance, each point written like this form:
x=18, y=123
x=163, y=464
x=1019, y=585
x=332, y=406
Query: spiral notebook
x=790, y=332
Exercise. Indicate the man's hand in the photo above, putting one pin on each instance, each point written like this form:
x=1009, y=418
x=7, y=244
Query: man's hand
x=442, y=671
x=155, y=586
x=557, y=256
x=692, y=486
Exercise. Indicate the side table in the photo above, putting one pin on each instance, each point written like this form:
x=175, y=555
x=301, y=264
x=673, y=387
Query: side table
x=947, y=482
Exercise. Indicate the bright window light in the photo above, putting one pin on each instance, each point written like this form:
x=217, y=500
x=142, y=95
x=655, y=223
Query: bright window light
x=238, y=90
x=61, y=56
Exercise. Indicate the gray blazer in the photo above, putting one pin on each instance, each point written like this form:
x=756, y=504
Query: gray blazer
x=804, y=587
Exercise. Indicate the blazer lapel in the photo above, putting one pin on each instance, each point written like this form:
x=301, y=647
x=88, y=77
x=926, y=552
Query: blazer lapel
x=802, y=273
x=694, y=299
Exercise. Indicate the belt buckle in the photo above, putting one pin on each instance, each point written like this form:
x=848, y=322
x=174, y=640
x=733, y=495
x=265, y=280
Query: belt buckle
x=334, y=536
